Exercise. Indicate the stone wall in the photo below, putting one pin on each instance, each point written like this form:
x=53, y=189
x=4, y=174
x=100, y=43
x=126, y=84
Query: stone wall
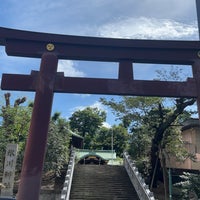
x=49, y=195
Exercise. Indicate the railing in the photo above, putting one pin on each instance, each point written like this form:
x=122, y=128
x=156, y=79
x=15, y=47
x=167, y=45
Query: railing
x=138, y=182
x=68, y=178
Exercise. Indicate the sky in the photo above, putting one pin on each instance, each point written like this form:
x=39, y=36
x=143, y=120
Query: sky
x=130, y=19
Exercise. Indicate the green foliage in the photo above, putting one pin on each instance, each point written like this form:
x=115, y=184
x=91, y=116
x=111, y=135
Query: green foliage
x=57, y=145
x=103, y=139
x=163, y=125
x=16, y=122
x=190, y=184
x=174, y=145
x=88, y=123
x=131, y=110
x=120, y=139
x=136, y=113
x=142, y=163
x=3, y=143
x=153, y=126
x=139, y=143
x=87, y=120
x=14, y=128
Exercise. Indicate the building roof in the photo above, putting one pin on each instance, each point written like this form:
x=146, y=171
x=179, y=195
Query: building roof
x=190, y=123
x=104, y=154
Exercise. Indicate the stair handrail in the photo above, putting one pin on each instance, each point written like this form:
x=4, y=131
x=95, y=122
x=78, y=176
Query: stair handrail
x=68, y=178
x=138, y=182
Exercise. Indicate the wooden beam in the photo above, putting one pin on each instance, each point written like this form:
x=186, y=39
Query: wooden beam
x=33, y=44
x=104, y=86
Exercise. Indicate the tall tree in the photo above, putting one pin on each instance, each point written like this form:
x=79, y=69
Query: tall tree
x=14, y=129
x=108, y=138
x=164, y=127
x=57, y=144
x=154, y=119
x=153, y=116
x=15, y=125
x=86, y=122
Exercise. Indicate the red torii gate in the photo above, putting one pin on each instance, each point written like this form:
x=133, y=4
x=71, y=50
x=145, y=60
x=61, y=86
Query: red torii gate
x=51, y=47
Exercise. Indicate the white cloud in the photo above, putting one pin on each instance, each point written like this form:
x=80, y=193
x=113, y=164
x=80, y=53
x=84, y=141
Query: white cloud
x=106, y=124
x=77, y=108
x=96, y=104
x=149, y=28
x=67, y=66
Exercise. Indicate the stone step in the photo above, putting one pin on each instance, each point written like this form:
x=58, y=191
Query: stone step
x=93, y=182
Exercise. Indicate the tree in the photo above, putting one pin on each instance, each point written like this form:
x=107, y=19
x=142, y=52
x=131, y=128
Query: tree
x=15, y=119
x=103, y=139
x=120, y=139
x=154, y=120
x=163, y=128
x=58, y=149
x=87, y=122
x=131, y=110
x=15, y=125
x=189, y=186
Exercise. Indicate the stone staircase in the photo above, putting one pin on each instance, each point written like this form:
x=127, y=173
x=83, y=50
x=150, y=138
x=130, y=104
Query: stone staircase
x=105, y=182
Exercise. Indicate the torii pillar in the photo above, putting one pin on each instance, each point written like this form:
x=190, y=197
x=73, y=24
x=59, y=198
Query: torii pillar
x=31, y=174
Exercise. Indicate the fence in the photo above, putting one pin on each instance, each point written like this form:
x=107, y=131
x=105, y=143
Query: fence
x=138, y=182
x=68, y=179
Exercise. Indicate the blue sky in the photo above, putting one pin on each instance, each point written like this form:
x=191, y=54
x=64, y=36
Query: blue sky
x=136, y=19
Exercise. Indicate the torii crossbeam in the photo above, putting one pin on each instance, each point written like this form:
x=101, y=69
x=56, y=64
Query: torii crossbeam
x=51, y=47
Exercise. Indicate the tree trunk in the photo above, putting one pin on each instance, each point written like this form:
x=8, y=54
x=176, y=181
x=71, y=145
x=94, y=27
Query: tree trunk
x=155, y=163
x=165, y=174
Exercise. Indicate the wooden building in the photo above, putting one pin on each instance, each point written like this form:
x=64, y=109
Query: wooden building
x=191, y=137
